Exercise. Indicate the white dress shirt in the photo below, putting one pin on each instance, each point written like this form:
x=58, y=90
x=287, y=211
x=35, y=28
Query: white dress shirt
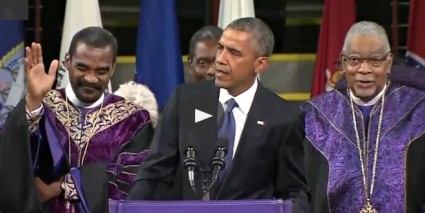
x=244, y=101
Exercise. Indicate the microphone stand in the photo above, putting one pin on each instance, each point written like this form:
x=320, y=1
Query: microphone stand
x=218, y=165
x=205, y=184
x=191, y=164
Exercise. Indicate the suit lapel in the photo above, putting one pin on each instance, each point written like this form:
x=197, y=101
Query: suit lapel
x=254, y=126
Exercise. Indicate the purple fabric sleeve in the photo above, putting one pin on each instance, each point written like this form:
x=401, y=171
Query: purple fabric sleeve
x=122, y=173
x=55, y=148
x=75, y=173
x=48, y=144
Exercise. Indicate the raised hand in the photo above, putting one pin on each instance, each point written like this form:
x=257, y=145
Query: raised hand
x=38, y=81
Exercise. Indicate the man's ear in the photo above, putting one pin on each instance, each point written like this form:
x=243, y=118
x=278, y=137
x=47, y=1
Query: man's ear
x=262, y=63
x=67, y=61
x=189, y=61
x=67, y=58
x=113, y=69
x=391, y=60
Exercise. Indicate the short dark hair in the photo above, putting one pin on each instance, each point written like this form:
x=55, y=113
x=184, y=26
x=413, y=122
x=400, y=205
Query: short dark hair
x=96, y=37
x=259, y=30
x=207, y=33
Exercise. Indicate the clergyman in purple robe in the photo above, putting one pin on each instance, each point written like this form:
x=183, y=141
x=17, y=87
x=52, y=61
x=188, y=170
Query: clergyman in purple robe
x=70, y=149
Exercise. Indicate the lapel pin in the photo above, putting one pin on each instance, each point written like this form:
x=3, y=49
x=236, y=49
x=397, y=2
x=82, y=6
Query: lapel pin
x=262, y=123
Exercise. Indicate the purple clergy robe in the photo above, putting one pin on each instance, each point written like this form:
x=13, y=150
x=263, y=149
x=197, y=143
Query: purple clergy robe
x=99, y=149
x=333, y=165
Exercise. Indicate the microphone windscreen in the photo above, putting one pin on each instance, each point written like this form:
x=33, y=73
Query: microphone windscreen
x=190, y=152
x=224, y=143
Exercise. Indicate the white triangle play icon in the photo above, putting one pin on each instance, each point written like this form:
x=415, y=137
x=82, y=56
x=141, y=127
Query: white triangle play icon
x=200, y=115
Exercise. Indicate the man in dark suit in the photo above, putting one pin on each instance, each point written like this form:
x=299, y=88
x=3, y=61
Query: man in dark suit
x=266, y=138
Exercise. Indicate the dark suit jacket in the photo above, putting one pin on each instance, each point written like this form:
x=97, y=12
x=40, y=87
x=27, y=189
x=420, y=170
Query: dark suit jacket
x=268, y=162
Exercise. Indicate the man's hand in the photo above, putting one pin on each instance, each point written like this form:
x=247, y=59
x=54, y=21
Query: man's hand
x=38, y=81
x=48, y=191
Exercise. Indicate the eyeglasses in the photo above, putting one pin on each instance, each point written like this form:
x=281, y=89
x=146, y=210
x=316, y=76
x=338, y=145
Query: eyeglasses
x=355, y=61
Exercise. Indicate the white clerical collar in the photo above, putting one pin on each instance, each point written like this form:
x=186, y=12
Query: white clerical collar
x=69, y=92
x=359, y=102
x=244, y=100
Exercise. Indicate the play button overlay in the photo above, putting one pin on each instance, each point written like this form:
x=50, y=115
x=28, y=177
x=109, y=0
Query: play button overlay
x=200, y=115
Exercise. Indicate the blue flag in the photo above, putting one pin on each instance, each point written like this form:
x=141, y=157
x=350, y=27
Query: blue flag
x=12, y=76
x=159, y=60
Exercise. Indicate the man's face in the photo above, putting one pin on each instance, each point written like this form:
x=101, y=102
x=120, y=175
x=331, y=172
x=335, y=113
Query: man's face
x=237, y=63
x=203, y=60
x=90, y=70
x=366, y=64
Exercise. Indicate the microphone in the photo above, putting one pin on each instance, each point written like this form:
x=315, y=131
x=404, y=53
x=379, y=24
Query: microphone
x=218, y=163
x=190, y=164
